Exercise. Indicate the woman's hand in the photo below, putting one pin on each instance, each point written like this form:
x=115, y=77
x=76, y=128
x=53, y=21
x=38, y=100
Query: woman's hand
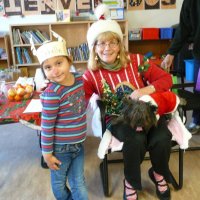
x=52, y=162
x=136, y=94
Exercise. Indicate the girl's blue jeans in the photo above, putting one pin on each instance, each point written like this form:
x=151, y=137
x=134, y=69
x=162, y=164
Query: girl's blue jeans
x=71, y=170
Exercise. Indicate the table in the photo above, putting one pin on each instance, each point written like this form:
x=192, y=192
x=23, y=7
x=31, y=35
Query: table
x=12, y=112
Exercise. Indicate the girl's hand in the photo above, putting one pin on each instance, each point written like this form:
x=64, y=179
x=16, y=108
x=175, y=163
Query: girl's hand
x=52, y=162
x=44, y=85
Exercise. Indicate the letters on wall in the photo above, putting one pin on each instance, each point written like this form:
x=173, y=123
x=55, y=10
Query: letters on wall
x=36, y=7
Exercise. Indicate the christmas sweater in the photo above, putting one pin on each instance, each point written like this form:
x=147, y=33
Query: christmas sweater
x=127, y=79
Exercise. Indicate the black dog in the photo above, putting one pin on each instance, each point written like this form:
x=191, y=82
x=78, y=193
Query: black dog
x=136, y=116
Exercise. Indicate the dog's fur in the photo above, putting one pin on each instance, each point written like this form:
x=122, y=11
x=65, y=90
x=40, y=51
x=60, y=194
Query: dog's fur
x=136, y=116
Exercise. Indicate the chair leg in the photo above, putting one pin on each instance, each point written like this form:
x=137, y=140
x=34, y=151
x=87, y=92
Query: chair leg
x=104, y=176
x=178, y=185
x=43, y=163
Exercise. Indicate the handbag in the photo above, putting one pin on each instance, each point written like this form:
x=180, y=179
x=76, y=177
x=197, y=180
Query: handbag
x=197, y=88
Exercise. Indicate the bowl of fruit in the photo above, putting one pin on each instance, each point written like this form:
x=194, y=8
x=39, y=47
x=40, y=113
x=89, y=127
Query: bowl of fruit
x=19, y=91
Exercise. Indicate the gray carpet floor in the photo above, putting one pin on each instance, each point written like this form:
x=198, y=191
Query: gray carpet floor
x=23, y=178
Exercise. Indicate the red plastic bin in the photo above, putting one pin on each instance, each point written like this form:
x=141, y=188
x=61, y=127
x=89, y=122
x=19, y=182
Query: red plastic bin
x=150, y=33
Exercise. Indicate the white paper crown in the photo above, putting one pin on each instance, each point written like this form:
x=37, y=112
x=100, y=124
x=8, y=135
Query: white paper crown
x=102, y=25
x=50, y=49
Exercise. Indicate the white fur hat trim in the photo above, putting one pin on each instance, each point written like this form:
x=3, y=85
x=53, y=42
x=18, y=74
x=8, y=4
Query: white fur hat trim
x=148, y=98
x=102, y=25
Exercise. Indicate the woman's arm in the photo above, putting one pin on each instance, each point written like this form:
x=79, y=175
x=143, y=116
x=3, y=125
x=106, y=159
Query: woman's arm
x=88, y=83
x=156, y=80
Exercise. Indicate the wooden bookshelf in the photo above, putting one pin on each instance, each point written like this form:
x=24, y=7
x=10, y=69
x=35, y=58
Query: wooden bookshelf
x=157, y=47
x=73, y=32
x=5, y=62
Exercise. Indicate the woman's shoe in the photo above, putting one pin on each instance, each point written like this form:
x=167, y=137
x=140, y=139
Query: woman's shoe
x=128, y=196
x=161, y=195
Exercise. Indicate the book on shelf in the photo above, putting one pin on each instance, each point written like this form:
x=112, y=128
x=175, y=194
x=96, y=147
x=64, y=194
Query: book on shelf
x=24, y=36
x=36, y=37
x=79, y=53
x=19, y=55
x=27, y=55
x=17, y=36
x=43, y=36
x=23, y=55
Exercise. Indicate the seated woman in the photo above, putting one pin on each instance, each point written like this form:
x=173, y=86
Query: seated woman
x=124, y=72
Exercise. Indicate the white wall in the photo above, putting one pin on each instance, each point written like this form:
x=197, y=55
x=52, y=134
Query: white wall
x=154, y=18
x=137, y=19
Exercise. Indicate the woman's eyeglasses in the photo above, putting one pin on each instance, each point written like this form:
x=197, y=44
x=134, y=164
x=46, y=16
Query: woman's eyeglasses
x=103, y=45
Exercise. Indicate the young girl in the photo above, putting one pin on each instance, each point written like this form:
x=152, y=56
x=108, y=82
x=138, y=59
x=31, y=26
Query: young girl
x=63, y=121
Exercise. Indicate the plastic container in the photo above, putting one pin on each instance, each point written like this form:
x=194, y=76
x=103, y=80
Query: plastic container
x=2, y=96
x=189, y=70
x=150, y=33
x=135, y=34
x=18, y=91
x=166, y=33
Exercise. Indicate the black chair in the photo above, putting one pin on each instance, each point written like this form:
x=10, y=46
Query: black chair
x=42, y=161
x=185, y=91
x=104, y=171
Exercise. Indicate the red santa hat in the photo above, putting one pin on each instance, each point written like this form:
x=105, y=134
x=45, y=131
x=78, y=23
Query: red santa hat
x=104, y=24
x=166, y=102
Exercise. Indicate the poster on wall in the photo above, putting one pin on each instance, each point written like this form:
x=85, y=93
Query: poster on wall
x=65, y=4
x=96, y=3
x=48, y=6
x=114, y=4
x=168, y=4
x=83, y=6
x=2, y=12
x=30, y=7
x=151, y=4
x=135, y=4
x=35, y=7
x=12, y=7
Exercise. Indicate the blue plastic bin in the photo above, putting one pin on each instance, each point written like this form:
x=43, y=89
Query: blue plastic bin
x=189, y=70
x=166, y=33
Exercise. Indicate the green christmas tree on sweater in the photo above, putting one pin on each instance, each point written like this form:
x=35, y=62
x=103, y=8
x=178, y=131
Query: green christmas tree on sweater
x=111, y=100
